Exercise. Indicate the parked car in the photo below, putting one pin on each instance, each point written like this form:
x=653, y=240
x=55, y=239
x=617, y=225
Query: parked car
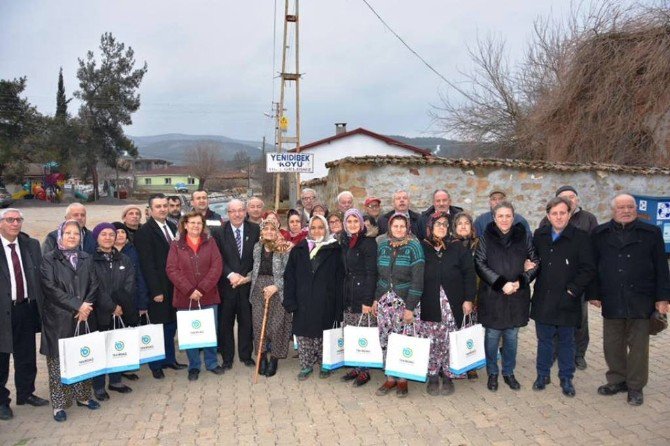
x=220, y=207
x=5, y=198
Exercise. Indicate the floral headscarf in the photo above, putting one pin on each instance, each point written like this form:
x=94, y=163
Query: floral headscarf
x=315, y=244
x=278, y=244
x=436, y=242
x=72, y=255
x=397, y=242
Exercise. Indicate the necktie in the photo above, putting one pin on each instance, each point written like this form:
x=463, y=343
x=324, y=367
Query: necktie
x=18, y=274
x=238, y=239
x=167, y=234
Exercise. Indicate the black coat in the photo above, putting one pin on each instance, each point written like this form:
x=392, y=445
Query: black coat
x=360, y=268
x=383, y=221
x=64, y=291
x=117, y=287
x=632, y=274
x=31, y=258
x=313, y=288
x=565, y=265
x=153, y=249
x=453, y=269
x=232, y=263
x=499, y=259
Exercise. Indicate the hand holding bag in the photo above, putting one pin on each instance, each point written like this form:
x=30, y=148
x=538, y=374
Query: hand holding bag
x=196, y=328
x=466, y=348
x=122, y=348
x=407, y=356
x=82, y=356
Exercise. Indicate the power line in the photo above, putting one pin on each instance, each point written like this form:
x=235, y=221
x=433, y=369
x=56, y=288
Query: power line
x=387, y=26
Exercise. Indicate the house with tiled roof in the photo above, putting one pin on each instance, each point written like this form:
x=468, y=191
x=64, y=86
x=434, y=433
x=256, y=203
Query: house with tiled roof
x=354, y=143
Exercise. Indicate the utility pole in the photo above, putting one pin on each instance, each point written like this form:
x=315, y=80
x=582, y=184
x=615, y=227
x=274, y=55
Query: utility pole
x=283, y=122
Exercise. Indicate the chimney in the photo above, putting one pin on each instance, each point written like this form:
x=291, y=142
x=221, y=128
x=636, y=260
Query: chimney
x=340, y=127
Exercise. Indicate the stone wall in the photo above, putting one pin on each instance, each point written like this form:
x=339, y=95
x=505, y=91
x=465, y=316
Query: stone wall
x=528, y=184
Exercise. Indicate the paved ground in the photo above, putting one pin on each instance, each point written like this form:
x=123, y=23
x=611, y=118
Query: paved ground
x=280, y=410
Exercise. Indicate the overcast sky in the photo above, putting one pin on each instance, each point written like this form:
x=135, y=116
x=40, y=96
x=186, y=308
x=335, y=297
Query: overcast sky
x=211, y=62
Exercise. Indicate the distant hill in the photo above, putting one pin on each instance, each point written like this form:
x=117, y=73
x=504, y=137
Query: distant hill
x=174, y=146
x=448, y=148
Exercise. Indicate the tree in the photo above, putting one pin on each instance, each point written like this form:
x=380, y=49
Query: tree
x=241, y=160
x=20, y=125
x=204, y=161
x=61, y=100
x=108, y=92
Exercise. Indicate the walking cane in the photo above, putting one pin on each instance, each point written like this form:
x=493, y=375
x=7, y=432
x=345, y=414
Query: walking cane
x=262, y=339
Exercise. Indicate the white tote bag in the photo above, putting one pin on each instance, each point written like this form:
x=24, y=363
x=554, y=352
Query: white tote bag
x=82, y=357
x=466, y=348
x=407, y=357
x=196, y=328
x=151, y=342
x=333, y=348
x=123, y=350
x=362, y=347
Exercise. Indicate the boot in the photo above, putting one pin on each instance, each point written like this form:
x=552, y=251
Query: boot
x=272, y=367
x=263, y=369
x=447, y=386
x=433, y=387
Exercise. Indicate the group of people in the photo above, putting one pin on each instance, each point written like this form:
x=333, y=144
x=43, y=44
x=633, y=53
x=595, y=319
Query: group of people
x=425, y=273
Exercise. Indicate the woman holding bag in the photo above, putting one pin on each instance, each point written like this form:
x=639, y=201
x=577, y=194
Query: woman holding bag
x=267, y=288
x=194, y=267
x=400, y=265
x=360, y=267
x=70, y=288
x=312, y=292
x=116, y=299
x=449, y=287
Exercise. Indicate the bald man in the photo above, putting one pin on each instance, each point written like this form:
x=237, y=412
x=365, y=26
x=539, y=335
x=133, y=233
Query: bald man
x=75, y=211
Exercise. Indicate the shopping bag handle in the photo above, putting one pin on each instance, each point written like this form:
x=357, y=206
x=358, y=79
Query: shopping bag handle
x=146, y=315
x=413, y=328
x=465, y=323
x=190, y=301
x=76, y=330
x=361, y=320
x=114, y=319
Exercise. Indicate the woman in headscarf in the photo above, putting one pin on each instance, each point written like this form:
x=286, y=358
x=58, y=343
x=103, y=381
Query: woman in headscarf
x=295, y=233
x=319, y=209
x=71, y=289
x=335, y=223
x=400, y=264
x=449, y=287
x=360, y=268
x=313, y=292
x=116, y=299
x=267, y=289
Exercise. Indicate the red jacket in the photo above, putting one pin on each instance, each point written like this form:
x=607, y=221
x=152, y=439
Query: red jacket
x=189, y=271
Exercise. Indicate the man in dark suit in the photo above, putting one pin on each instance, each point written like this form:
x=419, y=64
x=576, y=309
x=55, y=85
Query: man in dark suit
x=152, y=241
x=74, y=211
x=236, y=240
x=20, y=260
x=400, y=206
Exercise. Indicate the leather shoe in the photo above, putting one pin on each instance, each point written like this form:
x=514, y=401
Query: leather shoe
x=580, y=363
x=101, y=395
x=34, y=401
x=175, y=366
x=249, y=362
x=60, y=416
x=193, y=374
x=130, y=376
x=263, y=369
x=635, y=397
x=350, y=375
x=91, y=404
x=567, y=387
x=402, y=389
x=272, y=367
x=512, y=382
x=158, y=374
x=612, y=389
x=218, y=370
x=6, y=412
x=492, y=384
x=227, y=365
x=121, y=389
x=541, y=382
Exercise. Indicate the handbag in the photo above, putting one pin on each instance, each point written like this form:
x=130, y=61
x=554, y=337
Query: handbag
x=407, y=356
x=196, y=328
x=466, y=348
x=362, y=347
x=657, y=323
x=82, y=356
x=333, y=348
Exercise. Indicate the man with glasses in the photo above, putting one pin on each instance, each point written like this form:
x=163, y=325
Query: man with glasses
x=373, y=209
x=20, y=261
x=307, y=201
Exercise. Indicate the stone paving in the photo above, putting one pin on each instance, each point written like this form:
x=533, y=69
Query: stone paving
x=280, y=410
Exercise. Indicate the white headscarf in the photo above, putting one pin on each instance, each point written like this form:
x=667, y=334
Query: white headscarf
x=313, y=244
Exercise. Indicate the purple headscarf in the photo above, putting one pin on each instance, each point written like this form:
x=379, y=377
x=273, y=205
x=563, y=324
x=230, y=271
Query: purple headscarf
x=71, y=254
x=356, y=213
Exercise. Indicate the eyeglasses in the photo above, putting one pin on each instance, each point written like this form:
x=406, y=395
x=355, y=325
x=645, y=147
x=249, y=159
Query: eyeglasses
x=12, y=220
x=439, y=224
x=307, y=198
